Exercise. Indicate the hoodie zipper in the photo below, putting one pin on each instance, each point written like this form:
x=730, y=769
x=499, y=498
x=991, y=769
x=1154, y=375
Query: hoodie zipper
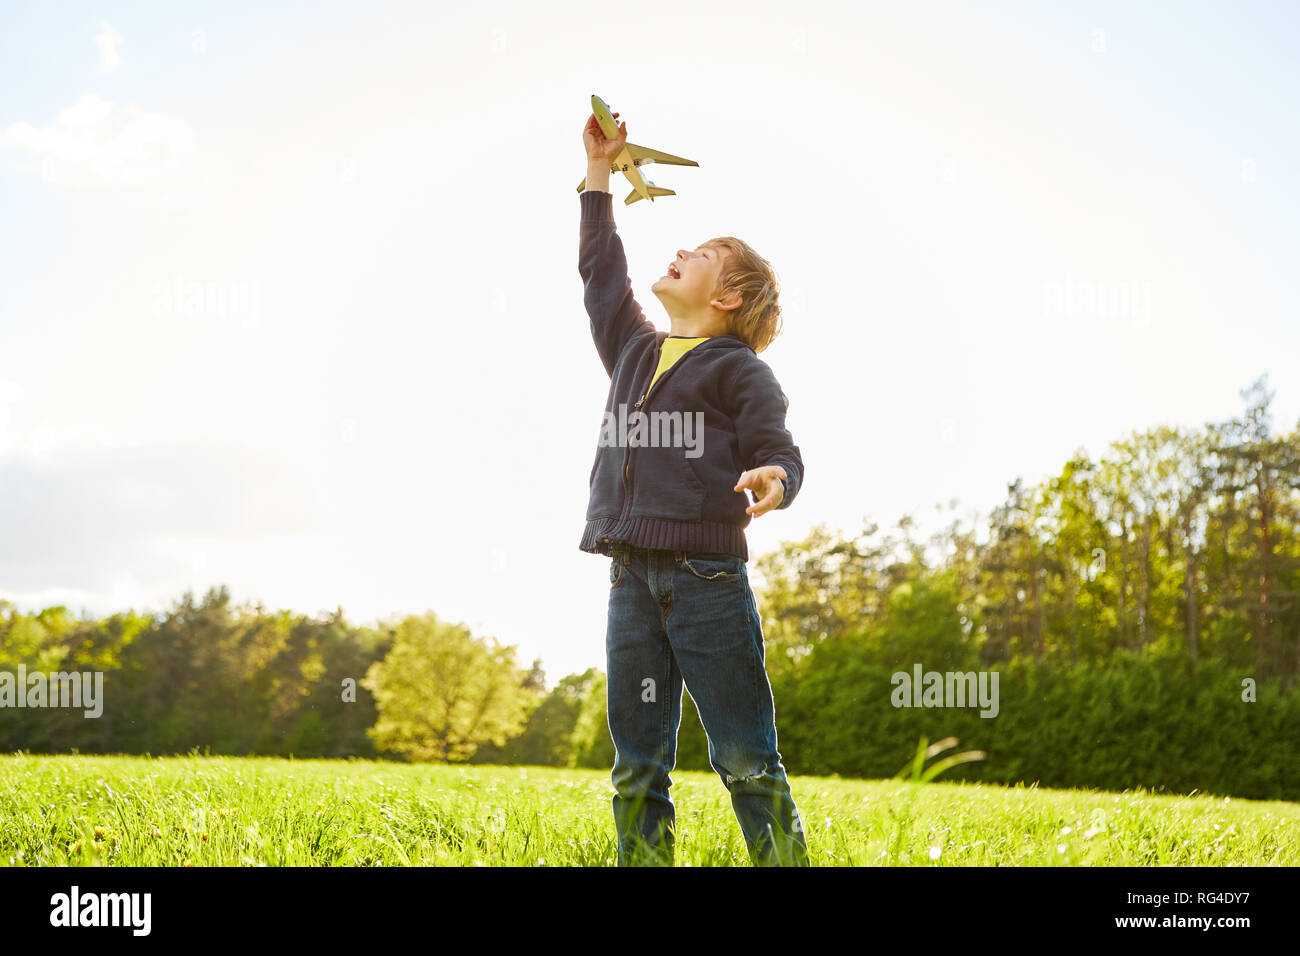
x=627, y=457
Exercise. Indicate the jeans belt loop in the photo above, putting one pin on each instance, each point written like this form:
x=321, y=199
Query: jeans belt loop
x=678, y=555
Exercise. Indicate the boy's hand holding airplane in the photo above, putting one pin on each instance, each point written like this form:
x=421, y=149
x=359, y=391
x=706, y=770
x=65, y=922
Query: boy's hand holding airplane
x=763, y=481
x=604, y=139
x=600, y=149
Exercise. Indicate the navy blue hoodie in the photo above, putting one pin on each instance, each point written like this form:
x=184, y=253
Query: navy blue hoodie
x=663, y=497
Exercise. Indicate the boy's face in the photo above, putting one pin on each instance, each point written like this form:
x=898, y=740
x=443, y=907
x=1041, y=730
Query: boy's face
x=690, y=279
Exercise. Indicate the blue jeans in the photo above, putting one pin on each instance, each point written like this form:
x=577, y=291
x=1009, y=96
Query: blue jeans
x=689, y=617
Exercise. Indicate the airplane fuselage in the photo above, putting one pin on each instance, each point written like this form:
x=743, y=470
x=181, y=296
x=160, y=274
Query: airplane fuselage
x=623, y=162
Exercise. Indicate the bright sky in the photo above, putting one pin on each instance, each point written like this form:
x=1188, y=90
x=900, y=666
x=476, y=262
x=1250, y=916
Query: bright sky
x=291, y=298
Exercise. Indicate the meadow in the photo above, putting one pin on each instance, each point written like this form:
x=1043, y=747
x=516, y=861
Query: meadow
x=253, y=811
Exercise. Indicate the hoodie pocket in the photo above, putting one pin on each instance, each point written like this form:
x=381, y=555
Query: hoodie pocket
x=606, y=485
x=665, y=485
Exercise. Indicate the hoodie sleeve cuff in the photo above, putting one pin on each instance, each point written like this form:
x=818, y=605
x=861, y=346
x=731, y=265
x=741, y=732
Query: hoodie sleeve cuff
x=597, y=206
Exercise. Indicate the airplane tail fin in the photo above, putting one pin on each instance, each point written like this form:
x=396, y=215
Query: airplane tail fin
x=653, y=190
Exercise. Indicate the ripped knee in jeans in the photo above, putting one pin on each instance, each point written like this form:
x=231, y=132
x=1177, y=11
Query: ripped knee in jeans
x=730, y=778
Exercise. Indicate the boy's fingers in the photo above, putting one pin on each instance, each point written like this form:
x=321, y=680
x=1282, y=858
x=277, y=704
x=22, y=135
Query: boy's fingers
x=753, y=479
x=760, y=483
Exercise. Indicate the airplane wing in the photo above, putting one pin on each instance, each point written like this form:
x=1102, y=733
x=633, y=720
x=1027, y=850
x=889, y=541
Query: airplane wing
x=635, y=195
x=645, y=154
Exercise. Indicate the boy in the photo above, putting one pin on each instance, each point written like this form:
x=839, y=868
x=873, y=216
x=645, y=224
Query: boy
x=672, y=519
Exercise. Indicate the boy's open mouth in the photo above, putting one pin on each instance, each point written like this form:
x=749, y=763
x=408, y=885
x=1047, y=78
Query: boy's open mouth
x=672, y=271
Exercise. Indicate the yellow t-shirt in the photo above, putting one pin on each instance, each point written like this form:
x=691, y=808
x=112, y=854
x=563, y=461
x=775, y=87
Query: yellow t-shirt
x=673, y=348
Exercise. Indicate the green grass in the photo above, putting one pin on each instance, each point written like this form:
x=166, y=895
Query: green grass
x=236, y=811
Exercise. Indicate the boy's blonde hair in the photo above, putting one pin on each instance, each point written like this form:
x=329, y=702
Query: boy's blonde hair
x=757, y=320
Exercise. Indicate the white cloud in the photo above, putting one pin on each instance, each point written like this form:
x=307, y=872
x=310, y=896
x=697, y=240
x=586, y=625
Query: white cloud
x=107, y=517
x=99, y=517
x=95, y=143
x=108, y=40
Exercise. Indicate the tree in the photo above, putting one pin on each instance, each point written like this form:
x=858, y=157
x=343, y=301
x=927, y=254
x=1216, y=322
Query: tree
x=441, y=692
x=826, y=586
x=592, y=745
x=1256, y=476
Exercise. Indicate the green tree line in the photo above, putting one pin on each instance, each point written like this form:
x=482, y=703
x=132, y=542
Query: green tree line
x=1139, y=609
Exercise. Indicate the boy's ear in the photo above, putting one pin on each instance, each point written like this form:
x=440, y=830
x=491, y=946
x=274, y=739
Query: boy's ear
x=728, y=305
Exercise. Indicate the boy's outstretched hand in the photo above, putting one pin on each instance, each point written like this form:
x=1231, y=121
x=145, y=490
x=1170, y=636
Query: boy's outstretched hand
x=598, y=147
x=763, y=482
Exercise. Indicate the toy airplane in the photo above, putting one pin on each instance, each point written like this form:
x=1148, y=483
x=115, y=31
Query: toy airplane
x=633, y=157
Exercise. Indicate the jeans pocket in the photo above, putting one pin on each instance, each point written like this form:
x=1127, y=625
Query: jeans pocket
x=615, y=573
x=714, y=567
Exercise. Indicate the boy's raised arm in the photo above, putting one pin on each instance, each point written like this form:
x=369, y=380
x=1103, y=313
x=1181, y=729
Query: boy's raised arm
x=614, y=312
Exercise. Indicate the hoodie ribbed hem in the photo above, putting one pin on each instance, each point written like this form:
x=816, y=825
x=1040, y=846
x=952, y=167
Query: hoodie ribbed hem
x=662, y=534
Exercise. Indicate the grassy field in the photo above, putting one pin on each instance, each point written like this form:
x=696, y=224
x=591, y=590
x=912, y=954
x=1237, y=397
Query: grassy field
x=232, y=811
